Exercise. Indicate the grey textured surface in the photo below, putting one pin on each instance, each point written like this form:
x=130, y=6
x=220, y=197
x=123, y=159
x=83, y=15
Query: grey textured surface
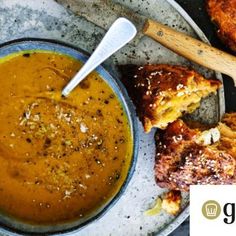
x=46, y=19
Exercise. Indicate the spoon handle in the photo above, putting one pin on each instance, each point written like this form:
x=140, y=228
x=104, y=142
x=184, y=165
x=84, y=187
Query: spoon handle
x=120, y=33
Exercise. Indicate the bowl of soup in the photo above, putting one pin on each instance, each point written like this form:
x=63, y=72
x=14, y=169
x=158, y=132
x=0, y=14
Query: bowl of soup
x=64, y=161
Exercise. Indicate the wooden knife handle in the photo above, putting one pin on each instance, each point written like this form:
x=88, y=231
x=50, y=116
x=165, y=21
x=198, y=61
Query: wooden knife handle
x=192, y=49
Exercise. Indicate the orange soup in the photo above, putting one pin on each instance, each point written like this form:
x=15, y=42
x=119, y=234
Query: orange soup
x=60, y=158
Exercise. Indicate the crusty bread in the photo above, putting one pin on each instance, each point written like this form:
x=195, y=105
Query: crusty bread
x=227, y=129
x=162, y=92
x=182, y=160
x=171, y=202
x=223, y=14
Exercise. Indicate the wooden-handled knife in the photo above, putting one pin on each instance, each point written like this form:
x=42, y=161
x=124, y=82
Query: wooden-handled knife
x=104, y=12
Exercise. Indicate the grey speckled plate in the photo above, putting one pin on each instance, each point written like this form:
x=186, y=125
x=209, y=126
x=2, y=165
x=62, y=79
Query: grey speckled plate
x=47, y=19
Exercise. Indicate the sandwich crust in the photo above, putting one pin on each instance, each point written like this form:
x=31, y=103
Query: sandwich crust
x=227, y=129
x=162, y=93
x=223, y=14
x=182, y=161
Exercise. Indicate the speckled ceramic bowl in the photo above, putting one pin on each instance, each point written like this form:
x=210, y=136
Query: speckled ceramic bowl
x=10, y=226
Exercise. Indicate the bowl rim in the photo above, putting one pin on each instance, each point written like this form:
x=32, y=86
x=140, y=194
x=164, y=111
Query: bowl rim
x=131, y=116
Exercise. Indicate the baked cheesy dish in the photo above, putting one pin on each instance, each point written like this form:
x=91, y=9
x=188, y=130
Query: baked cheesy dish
x=186, y=156
x=162, y=93
x=227, y=129
x=223, y=14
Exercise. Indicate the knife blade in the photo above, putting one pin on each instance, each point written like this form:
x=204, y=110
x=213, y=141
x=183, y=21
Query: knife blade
x=104, y=12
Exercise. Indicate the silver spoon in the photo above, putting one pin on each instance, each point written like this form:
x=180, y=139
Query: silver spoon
x=120, y=33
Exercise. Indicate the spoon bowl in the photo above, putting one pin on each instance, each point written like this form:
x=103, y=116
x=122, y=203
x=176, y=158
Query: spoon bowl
x=120, y=33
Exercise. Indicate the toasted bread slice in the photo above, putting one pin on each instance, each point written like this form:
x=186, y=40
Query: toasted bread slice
x=223, y=14
x=162, y=92
x=182, y=160
x=227, y=129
